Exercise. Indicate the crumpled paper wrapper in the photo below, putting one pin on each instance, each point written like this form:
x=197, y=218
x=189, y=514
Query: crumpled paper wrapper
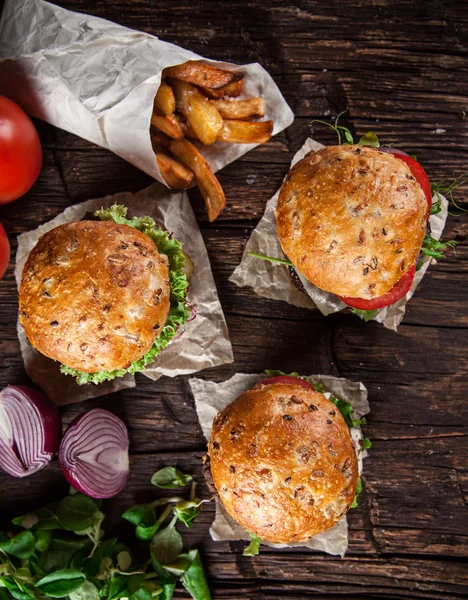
x=273, y=280
x=98, y=80
x=211, y=398
x=205, y=342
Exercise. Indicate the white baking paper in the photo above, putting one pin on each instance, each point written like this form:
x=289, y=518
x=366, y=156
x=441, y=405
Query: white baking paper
x=273, y=280
x=205, y=341
x=211, y=398
x=98, y=79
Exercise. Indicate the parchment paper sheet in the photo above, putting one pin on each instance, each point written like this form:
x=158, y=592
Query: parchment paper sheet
x=273, y=281
x=98, y=79
x=211, y=398
x=205, y=342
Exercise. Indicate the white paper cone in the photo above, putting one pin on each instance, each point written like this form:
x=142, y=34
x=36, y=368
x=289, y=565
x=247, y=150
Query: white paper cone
x=98, y=79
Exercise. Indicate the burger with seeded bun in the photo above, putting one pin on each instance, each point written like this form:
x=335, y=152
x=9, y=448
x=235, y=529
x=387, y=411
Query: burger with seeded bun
x=353, y=221
x=103, y=297
x=283, y=461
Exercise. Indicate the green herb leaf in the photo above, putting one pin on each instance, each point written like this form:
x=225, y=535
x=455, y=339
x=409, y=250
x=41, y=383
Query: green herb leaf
x=167, y=544
x=254, y=547
x=338, y=129
x=60, y=584
x=178, y=312
x=194, y=580
x=44, y=518
x=366, y=443
x=279, y=261
x=166, y=579
x=18, y=592
x=88, y=591
x=370, y=139
x=358, y=493
x=139, y=514
x=105, y=550
x=446, y=188
x=142, y=594
x=21, y=546
x=76, y=512
x=275, y=373
x=170, y=477
x=118, y=587
x=434, y=248
x=187, y=510
x=146, y=534
x=367, y=315
x=43, y=540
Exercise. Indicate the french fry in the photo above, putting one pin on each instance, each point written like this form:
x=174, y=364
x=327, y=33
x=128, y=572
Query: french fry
x=245, y=132
x=174, y=174
x=232, y=90
x=168, y=124
x=164, y=99
x=209, y=186
x=159, y=140
x=204, y=118
x=240, y=109
x=203, y=75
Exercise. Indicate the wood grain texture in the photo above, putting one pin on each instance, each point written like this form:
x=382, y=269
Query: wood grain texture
x=401, y=68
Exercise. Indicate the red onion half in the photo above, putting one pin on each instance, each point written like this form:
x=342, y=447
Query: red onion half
x=94, y=454
x=30, y=427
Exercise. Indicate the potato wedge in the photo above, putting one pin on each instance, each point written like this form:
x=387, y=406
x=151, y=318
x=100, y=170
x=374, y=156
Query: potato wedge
x=159, y=140
x=164, y=99
x=240, y=109
x=204, y=118
x=168, y=124
x=245, y=132
x=174, y=174
x=201, y=74
x=209, y=186
x=232, y=90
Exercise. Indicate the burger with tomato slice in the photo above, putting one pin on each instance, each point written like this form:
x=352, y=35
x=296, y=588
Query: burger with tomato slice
x=353, y=221
x=104, y=296
x=283, y=460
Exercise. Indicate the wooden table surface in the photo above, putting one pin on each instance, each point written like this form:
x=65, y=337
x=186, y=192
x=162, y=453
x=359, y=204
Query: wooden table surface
x=401, y=67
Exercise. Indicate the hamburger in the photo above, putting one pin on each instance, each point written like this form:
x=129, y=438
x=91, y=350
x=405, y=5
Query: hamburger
x=283, y=460
x=353, y=220
x=105, y=295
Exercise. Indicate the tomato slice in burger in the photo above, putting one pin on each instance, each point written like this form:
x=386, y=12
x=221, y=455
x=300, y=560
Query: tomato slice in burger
x=400, y=289
x=291, y=380
x=416, y=170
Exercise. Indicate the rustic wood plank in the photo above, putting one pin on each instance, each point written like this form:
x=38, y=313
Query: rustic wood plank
x=401, y=69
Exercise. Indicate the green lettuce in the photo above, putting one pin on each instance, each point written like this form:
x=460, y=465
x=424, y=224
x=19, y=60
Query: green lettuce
x=178, y=312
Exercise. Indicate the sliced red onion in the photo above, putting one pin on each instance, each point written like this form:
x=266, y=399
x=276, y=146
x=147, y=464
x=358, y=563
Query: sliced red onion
x=192, y=309
x=94, y=454
x=30, y=427
x=391, y=150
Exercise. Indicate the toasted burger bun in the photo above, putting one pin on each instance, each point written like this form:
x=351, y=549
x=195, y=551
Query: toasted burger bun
x=283, y=462
x=94, y=295
x=351, y=219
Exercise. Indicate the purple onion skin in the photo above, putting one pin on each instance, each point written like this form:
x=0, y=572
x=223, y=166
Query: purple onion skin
x=73, y=478
x=51, y=421
x=50, y=417
x=392, y=150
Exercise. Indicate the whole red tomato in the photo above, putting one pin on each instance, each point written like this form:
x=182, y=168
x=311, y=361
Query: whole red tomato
x=4, y=251
x=20, y=151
